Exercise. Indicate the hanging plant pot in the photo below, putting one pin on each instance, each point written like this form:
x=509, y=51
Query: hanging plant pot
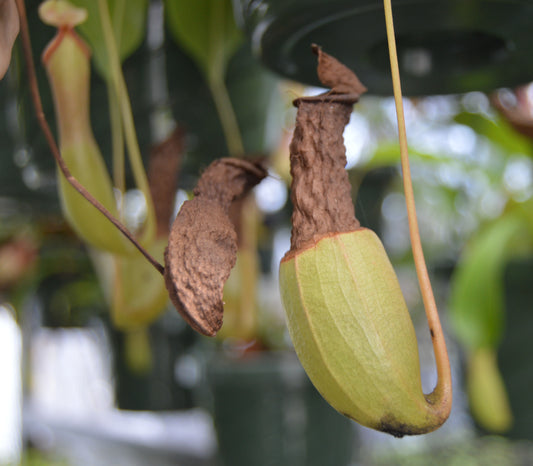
x=266, y=412
x=444, y=46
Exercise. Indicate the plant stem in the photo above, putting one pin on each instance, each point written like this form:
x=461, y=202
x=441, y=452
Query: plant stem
x=36, y=98
x=245, y=321
x=119, y=84
x=117, y=133
x=443, y=390
x=117, y=141
x=216, y=73
x=226, y=114
x=118, y=22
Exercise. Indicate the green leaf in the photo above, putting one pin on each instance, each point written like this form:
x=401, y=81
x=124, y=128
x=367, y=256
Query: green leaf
x=487, y=395
x=477, y=294
x=256, y=97
x=525, y=210
x=498, y=132
x=206, y=30
x=129, y=22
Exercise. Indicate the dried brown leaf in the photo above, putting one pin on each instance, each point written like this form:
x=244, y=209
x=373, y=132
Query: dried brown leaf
x=163, y=170
x=338, y=77
x=202, y=246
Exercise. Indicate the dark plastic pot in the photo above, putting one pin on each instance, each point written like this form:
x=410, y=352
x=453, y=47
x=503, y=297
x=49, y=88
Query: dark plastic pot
x=266, y=412
x=444, y=46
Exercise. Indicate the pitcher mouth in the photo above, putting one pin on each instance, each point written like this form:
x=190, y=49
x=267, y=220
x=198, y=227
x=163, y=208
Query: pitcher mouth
x=62, y=33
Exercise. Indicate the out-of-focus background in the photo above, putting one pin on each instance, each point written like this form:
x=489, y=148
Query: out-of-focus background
x=83, y=381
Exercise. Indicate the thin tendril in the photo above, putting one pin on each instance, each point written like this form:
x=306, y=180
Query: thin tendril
x=443, y=390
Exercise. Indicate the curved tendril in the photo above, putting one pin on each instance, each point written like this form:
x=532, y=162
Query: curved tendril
x=442, y=394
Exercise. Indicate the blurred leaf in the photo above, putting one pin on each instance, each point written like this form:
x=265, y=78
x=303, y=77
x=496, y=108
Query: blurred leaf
x=388, y=154
x=525, y=210
x=498, y=132
x=487, y=395
x=134, y=290
x=206, y=29
x=256, y=98
x=129, y=22
x=137, y=350
x=255, y=95
x=477, y=295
